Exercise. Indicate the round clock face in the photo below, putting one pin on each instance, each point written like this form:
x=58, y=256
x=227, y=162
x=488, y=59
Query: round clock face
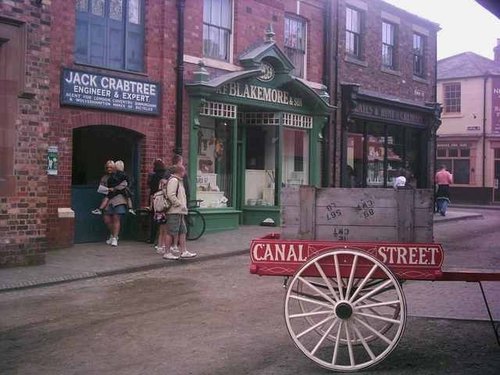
x=267, y=72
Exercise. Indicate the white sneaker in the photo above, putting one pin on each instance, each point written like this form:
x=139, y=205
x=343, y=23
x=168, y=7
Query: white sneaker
x=187, y=254
x=114, y=241
x=97, y=211
x=132, y=211
x=108, y=241
x=170, y=256
x=160, y=250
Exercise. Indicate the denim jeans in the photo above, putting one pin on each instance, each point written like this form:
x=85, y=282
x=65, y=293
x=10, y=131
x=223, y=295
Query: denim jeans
x=442, y=205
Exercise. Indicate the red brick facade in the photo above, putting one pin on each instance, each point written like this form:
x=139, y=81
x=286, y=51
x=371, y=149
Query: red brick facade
x=34, y=206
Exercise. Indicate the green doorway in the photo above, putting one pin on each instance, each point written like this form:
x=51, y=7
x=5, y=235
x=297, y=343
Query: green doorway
x=92, y=147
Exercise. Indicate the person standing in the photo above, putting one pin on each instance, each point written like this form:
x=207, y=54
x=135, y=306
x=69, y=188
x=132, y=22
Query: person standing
x=159, y=173
x=176, y=216
x=443, y=180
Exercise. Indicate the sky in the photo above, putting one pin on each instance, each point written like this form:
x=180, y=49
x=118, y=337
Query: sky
x=465, y=25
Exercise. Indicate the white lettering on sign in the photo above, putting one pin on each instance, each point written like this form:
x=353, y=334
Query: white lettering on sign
x=265, y=94
x=141, y=89
x=278, y=252
x=412, y=255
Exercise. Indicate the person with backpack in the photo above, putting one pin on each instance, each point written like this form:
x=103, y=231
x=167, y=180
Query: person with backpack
x=174, y=230
x=160, y=172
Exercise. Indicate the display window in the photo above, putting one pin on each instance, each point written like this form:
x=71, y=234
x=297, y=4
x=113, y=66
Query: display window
x=295, y=157
x=214, y=171
x=260, y=169
x=377, y=153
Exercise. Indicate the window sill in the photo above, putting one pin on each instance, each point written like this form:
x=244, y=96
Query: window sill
x=354, y=60
x=212, y=63
x=451, y=115
x=111, y=69
x=420, y=79
x=391, y=71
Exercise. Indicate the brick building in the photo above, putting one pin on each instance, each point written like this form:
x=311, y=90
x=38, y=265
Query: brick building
x=246, y=90
x=386, y=88
x=24, y=131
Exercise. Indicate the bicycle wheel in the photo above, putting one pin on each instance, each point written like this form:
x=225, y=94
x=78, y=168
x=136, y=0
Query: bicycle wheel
x=195, y=223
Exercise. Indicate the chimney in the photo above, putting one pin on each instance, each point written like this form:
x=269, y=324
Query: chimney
x=496, y=51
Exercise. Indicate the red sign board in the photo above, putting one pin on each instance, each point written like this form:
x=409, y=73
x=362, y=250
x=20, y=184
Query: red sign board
x=273, y=256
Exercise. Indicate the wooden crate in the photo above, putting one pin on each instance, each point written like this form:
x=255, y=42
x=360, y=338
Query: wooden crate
x=369, y=214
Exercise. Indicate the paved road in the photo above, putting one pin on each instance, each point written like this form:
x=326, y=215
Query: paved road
x=214, y=317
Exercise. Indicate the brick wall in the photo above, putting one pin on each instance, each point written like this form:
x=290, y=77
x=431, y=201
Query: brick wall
x=23, y=203
x=402, y=83
x=158, y=132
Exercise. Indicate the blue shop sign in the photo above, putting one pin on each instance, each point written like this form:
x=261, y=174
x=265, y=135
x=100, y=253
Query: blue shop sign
x=85, y=89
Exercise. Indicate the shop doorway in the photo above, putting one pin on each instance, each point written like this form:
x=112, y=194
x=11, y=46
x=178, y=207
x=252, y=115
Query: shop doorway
x=92, y=147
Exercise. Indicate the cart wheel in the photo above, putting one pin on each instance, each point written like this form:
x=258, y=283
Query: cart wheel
x=345, y=310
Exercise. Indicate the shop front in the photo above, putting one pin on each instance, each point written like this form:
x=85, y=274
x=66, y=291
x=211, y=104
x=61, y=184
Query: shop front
x=253, y=132
x=383, y=137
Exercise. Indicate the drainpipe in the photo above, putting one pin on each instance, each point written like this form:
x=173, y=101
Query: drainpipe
x=328, y=81
x=336, y=94
x=484, y=130
x=180, y=77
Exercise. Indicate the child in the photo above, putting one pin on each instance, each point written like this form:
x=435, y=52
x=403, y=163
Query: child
x=117, y=178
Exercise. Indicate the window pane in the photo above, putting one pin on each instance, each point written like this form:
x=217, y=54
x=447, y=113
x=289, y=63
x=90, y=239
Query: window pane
x=226, y=14
x=446, y=162
x=98, y=7
x=215, y=13
x=214, y=181
x=82, y=5
x=452, y=97
x=376, y=153
x=461, y=171
x=206, y=10
x=116, y=9
x=464, y=152
x=441, y=152
x=295, y=156
x=452, y=152
x=134, y=11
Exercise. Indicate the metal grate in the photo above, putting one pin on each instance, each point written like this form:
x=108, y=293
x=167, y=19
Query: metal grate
x=297, y=121
x=216, y=109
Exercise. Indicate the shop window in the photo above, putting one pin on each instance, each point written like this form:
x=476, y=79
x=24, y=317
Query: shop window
x=376, y=153
x=214, y=179
x=260, y=169
x=110, y=33
x=388, y=45
x=295, y=44
x=418, y=55
x=457, y=161
x=217, y=18
x=452, y=97
x=295, y=156
x=353, y=32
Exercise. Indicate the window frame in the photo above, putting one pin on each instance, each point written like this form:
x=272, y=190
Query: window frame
x=356, y=49
x=418, y=55
x=389, y=45
x=446, y=156
x=110, y=55
x=451, y=100
x=294, y=50
x=209, y=26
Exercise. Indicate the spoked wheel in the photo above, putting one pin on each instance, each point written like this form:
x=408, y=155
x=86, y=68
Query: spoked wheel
x=195, y=223
x=345, y=310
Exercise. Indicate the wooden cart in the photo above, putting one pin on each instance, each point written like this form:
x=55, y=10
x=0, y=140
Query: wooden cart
x=348, y=252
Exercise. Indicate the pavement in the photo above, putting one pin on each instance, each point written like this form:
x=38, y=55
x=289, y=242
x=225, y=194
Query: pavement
x=92, y=260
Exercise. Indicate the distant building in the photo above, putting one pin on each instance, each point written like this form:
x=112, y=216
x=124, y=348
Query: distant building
x=469, y=137
x=386, y=69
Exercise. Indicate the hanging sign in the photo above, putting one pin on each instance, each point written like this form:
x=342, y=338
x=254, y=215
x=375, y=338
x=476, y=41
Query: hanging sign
x=495, y=105
x=85, y=89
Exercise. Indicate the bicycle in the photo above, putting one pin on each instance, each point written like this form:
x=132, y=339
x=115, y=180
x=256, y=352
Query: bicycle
x=195, y=221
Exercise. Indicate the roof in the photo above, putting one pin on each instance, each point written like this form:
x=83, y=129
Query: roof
x=492, y=5
x=464, y=65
